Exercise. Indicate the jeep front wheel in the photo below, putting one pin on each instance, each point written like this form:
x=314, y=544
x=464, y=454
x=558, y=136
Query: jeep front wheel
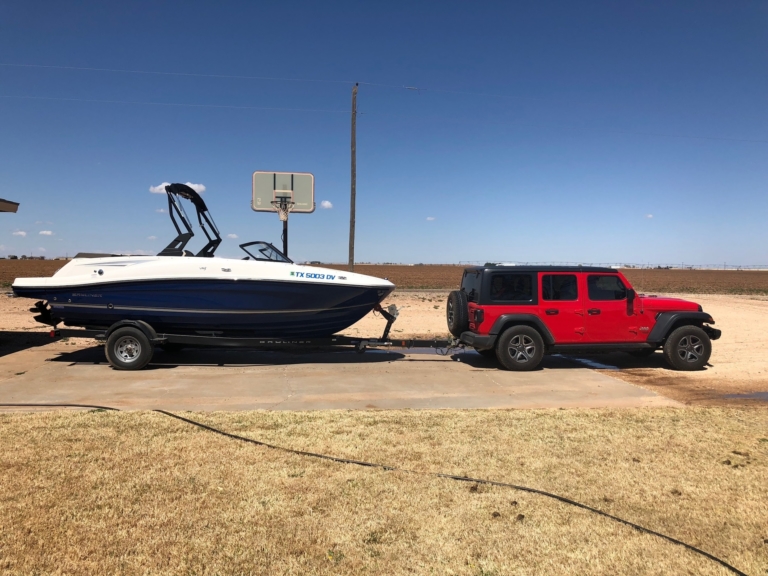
x=456, y=313
x=688, y=348
x=520, y=348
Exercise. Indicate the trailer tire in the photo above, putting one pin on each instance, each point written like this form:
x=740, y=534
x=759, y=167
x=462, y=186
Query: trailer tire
x=128, y=348
x=456, y=313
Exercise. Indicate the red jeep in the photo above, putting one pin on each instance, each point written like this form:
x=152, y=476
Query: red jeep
x=520, y=313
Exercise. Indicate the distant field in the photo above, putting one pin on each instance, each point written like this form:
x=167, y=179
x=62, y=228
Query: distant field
x=437, y=277
x=665, y=281
x=12, y=269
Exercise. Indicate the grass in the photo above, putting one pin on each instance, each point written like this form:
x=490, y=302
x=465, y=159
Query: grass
x=137, y=493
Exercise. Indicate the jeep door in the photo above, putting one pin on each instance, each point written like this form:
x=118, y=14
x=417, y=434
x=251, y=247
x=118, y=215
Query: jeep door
x=606, y=310
x=561, y=306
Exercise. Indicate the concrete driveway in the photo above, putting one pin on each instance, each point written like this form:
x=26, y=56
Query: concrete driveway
x=202, y=379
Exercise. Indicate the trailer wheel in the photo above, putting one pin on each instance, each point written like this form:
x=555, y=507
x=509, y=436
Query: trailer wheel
x=456, y=313
x=128, y=348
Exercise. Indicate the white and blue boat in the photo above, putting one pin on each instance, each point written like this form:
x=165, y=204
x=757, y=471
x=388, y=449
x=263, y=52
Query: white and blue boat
x=264, y=294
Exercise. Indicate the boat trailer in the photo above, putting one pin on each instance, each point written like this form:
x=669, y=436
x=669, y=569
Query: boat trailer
x=121, y=353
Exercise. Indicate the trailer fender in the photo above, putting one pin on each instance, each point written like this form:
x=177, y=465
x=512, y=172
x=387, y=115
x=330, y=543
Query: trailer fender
x=148, y=331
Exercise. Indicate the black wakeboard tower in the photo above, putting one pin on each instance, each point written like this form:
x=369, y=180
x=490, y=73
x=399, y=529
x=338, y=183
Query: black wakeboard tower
x=176, y=247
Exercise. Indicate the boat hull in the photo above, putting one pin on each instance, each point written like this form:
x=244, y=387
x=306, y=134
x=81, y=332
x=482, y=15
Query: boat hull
x=229, y=307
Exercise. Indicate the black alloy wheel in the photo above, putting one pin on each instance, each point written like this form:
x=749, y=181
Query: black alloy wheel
x=128, y=348
x=520, y=348
x=688, y=348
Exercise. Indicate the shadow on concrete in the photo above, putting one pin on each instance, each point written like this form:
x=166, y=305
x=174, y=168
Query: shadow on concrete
x=12, y=342
x=607, y=361
x=240, y=357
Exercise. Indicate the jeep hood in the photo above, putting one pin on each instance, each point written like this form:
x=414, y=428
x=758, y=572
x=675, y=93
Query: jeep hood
x=664, y=304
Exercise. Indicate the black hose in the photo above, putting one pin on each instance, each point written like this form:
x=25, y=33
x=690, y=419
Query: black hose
x=59, y=406
x=433, y=474
x=460, y=479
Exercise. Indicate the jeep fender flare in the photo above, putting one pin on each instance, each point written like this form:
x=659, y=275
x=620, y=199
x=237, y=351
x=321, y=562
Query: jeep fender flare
x=148, y=331
x=506, y=320
x=668, y=321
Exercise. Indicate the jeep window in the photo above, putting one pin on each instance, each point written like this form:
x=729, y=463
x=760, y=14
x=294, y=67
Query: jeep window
x=471, y=285
x=559, y=287
x=606, y=288
x=512, y=287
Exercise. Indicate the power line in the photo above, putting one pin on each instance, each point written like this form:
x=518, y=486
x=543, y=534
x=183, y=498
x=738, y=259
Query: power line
x=160, y=73
x=446, y=120
x=268, y=78
x=420, y=118
x=226, y=106
x=332, y=81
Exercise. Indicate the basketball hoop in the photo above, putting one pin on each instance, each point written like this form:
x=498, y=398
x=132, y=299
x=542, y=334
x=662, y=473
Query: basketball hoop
x=283, y=206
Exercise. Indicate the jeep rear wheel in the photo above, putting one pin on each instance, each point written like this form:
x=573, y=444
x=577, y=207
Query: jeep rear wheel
x=456, y=313
x=688, y=348
x=520, y=348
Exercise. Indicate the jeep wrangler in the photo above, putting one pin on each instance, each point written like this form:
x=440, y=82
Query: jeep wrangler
x=518, y=314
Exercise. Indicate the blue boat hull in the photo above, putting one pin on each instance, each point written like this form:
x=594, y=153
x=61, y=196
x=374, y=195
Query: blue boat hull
x=242, y=307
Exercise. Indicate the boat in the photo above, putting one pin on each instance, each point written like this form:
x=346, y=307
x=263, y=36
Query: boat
x=265, y=294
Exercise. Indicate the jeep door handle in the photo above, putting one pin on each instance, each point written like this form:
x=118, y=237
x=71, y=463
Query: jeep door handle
x=552, y=312
x=593, y=311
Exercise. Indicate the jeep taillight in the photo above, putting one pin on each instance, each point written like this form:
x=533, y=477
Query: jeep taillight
x=479, y=316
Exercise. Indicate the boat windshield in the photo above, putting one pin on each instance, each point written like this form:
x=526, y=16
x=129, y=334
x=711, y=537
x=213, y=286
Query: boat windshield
x=264, y=251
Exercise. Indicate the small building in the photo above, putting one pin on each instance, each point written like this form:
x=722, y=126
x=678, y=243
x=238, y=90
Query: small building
x=8, y=206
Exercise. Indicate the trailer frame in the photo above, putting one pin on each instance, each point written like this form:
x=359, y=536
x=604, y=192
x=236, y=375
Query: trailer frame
x=212, y=340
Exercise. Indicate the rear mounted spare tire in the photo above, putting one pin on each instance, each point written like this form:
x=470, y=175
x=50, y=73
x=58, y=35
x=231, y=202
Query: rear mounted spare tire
x=456, y=313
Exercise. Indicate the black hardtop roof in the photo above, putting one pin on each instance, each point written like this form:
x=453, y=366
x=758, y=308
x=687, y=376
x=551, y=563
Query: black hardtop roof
x=502, y=267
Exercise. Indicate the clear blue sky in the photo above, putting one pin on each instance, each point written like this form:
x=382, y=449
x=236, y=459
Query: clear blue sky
x=542, y=131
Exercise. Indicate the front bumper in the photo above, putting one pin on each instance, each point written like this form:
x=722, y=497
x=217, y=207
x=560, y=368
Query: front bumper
x=713, y=333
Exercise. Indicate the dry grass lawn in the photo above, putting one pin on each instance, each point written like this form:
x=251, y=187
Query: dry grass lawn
x=141, y=493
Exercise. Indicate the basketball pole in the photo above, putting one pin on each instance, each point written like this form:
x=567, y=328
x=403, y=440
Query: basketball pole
x=285, y=236
x=353, y=185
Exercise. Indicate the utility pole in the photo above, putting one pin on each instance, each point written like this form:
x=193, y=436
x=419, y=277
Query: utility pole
x=353, y=182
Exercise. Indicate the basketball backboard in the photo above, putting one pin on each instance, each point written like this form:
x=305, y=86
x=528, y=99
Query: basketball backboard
x=298, y=187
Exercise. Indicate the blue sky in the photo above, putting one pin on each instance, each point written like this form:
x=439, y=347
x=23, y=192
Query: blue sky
x=541, y=131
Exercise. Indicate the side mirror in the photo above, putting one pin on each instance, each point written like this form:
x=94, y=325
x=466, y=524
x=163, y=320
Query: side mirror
x=631, y=302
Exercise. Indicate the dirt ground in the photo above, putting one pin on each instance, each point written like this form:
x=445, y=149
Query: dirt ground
x=142, y=493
